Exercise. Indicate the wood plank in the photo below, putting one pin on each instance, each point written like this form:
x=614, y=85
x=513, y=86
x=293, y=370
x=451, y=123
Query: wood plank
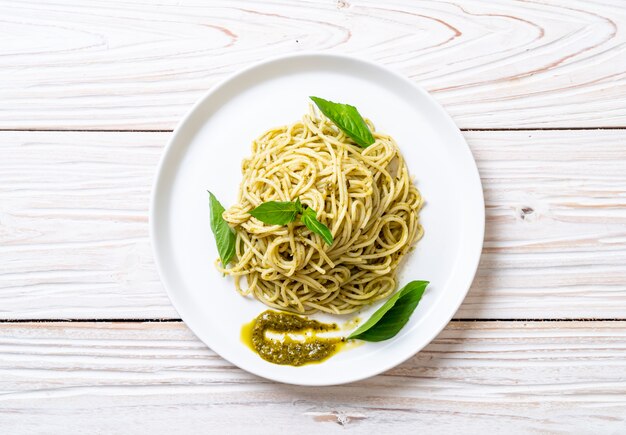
x=133, y=377
x=74, y=238
x=555, y=241
x=135, y=65
x=74, y=227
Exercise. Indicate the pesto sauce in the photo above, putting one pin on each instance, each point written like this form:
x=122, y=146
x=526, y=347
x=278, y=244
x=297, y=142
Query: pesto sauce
x=289, y=351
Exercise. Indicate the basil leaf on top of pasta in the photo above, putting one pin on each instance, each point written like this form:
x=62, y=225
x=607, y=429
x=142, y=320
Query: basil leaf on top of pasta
x=277, y=212
x=348, y=119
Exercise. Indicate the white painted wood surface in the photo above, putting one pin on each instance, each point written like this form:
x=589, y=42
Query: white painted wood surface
x=137, y=64
x=74, y=227
x=74, y=235
x=514, y=377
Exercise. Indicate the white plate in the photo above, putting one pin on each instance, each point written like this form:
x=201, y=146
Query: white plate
x=206, y=150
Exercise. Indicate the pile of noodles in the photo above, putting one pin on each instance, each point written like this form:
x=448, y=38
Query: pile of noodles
x=363, y=195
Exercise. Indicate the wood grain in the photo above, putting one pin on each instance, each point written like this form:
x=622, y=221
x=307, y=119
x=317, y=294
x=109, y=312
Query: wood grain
x=74, y=231
x=156, y=377
x=138, y=65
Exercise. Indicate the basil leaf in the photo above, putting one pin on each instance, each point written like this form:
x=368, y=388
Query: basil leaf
x=225, y=237
x=309, y=218
x=283, y=212
x=348, y=119
x=277, y=212
x=389, y=319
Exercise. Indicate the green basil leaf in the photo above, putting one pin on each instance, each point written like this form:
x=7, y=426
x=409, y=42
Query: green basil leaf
x=225, y=237
x=309, y=218
x=389, y=319
x=277, y=212
x=348, y=119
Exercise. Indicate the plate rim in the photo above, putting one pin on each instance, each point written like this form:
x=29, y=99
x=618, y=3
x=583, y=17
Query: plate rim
x=158, y=180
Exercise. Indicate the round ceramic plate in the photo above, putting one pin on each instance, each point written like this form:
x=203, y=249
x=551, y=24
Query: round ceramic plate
x=205, y=153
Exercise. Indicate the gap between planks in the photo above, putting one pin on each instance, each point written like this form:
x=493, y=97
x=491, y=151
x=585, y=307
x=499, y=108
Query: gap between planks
x=173, y=320
x=87, y=130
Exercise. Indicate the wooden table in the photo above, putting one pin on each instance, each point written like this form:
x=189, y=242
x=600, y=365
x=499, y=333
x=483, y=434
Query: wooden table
x=89, y=94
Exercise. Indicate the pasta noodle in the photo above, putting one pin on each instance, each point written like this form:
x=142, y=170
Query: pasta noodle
x=363, y=195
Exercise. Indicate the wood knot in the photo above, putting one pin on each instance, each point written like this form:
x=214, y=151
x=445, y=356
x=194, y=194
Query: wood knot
x=342, y=4
x=526, y=212
x=339, y=417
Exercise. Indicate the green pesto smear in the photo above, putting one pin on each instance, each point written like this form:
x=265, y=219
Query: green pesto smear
x=288, y=351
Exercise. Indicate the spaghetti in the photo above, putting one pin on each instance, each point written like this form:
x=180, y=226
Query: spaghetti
x=363, y=195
